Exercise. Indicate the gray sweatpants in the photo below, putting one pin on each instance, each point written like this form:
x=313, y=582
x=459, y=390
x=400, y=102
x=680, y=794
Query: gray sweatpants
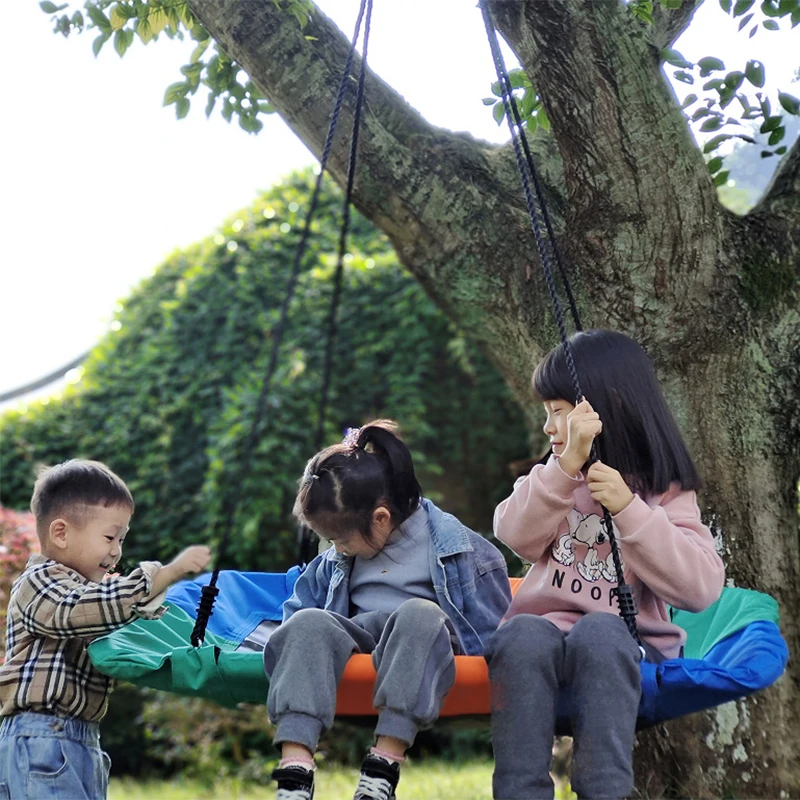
x=530, y=660
x=411, y=650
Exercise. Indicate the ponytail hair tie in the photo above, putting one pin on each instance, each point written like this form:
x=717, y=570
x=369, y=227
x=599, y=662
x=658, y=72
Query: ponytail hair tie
x=314, y=476
x=351, y=437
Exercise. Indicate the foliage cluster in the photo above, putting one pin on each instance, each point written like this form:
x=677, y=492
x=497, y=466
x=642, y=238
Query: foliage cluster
x=124, y=21
x=168, y=397
x=18, y=542
x=707, y=108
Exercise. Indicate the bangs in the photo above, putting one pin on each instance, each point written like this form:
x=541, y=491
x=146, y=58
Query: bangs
x=551, y=378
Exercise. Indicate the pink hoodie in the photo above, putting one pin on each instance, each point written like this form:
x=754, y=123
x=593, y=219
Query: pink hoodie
x=668, y=555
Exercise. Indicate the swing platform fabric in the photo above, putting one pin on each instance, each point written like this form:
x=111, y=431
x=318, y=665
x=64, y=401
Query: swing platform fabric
x=733, y=649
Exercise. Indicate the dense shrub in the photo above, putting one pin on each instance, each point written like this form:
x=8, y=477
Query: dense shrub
x=18, y=542
x=167, y=398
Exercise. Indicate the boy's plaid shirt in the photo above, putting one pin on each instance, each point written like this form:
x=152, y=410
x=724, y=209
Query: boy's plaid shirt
x=53, y=614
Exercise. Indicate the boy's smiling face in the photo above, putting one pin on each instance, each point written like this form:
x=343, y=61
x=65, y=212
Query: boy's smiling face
x=89, y=539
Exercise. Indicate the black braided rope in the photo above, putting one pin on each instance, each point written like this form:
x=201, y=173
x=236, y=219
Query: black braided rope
x=209, y=592
x=306, y=539
x=527, y=170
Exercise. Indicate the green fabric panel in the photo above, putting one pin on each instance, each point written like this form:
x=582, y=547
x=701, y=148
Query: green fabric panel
x=734, y=610
x=158, y=654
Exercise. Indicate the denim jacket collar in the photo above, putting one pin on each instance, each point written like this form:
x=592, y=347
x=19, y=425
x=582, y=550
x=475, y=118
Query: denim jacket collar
x=448, y=537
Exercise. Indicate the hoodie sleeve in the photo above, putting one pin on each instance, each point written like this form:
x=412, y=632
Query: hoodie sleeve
x=528, y=520
x=670, y=550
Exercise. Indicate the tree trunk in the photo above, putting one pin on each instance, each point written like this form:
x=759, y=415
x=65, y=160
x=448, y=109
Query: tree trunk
x=713, y=297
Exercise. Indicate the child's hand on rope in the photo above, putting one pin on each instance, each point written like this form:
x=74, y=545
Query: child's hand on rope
x=583, y=425
x=608, y=487
x=192, y=560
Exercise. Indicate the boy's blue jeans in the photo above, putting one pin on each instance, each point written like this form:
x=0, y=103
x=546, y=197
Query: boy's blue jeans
x=43, y=757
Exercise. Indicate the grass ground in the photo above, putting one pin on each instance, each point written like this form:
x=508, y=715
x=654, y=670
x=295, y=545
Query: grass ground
x=423, y=780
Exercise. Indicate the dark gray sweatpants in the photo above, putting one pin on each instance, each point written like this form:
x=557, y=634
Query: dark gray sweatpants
x=306, y=656
x=530, y=660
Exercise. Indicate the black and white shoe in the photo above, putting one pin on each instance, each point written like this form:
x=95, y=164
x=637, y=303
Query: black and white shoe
x=378, y=779
x=294, y=783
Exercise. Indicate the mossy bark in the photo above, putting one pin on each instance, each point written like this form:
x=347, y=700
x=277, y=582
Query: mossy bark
x=650, y=251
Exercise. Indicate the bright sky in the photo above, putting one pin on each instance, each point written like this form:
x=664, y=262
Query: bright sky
x=99, y=182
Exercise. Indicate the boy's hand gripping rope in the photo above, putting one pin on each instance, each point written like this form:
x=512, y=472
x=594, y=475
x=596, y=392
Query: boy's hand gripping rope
x=546, y=247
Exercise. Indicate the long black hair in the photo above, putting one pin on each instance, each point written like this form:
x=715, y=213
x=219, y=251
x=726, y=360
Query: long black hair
x=640, y=437
x=343, y=484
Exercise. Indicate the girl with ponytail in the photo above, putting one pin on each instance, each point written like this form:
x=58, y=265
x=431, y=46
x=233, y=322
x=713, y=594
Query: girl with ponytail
x=403, y=581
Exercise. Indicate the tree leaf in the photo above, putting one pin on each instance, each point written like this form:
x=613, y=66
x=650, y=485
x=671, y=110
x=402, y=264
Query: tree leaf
x=713, y=124
x=715, y=164
x=770, y=25
x=742, y=6
x=715, y=142
x=744, y=22
x=122, y=41
x=776, y=136
x=175, y=92
x=789, y=102
x=771, y=10
x=52, y=8
x=767, y=154
x=99, y=19
x=675, y=58
x=117, y=18
x=779, y=151
x=709, y=64
x=754, y=72
x=98, y=43
x=725, y=5
x=684, y=77
x=700, y=113
x=690, y=98
x=733, y=80
x=721, y=178
x=182, y=107
x=498, y=112
x=771, y=124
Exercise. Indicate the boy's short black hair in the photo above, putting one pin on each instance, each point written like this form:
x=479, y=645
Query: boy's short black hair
x=73, y=484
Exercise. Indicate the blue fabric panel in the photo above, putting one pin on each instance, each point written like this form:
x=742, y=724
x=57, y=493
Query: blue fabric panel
x=245, y=599
x=748, y=660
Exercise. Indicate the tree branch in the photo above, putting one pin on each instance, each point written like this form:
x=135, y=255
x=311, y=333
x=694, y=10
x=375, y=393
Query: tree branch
x=783, y=194
x=776, y=219
x=670, y=23
x=635, y=178
x=451, y=205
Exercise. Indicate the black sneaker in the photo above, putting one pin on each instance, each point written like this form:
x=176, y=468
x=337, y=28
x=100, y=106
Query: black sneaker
x=378, y=779
x=294, y=783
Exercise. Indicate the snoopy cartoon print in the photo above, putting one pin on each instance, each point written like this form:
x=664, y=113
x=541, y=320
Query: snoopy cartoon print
x=585, y=530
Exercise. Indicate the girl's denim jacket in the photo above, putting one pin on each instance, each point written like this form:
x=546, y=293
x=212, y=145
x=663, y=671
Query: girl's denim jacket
x=469, y=577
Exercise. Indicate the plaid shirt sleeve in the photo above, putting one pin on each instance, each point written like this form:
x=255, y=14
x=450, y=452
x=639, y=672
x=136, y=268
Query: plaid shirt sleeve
x=54, y=602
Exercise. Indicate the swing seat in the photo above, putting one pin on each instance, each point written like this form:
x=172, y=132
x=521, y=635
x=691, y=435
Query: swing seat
x=733, y=649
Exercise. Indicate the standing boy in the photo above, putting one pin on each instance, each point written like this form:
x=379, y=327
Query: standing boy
x=51, y=696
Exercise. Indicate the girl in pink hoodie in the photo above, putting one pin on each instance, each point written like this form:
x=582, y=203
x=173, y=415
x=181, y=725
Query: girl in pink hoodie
x=562, y=629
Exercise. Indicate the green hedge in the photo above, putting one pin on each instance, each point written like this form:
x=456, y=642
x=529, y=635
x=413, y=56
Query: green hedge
x=166, y=400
